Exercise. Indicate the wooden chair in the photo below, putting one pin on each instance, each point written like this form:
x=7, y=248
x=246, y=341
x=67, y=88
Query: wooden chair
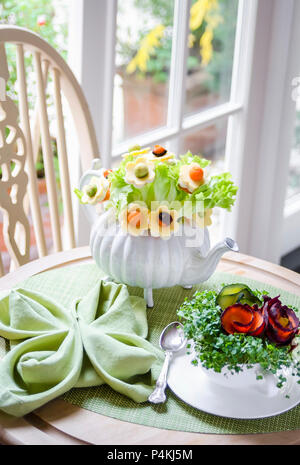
x=21, y=130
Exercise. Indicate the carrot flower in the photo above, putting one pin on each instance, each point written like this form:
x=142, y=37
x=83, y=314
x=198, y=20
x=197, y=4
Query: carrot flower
x=134, y=219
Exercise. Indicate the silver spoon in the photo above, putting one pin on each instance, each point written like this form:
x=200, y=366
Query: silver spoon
x=172, y=339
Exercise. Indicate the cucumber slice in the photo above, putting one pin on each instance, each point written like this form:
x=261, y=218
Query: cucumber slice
x=225, y=301
x=231, y=289
x=236, y=293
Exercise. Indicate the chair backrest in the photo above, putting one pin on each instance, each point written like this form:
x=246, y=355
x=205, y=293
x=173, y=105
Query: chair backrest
x=23, y=126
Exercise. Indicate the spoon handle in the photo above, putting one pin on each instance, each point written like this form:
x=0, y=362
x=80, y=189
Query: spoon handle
x=158, y=396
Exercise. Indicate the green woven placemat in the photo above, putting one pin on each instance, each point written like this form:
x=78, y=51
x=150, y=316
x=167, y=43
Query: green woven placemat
x=67, y=284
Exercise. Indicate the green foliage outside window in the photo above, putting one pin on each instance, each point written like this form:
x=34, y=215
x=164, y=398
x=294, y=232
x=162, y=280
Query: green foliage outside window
x=212, y=33
x=40, y=17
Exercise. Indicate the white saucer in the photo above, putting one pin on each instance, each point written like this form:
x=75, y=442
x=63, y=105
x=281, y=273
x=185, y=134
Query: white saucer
x=192, y=385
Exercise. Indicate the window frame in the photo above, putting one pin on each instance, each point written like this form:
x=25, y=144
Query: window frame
x=177, y=124
x=262, y=60
x=290, y=236
x=262, y=225
x=96, y=19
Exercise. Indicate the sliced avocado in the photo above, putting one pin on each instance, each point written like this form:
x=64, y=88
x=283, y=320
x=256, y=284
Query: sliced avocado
x=236, y=293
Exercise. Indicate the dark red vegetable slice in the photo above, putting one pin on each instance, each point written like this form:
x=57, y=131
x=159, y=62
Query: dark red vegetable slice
x=259, y=323
x=237, y=319
x=283, y=324
x=278, y=338
x=279, y=322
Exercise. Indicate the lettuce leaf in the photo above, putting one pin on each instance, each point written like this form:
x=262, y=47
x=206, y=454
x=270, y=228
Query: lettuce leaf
x=79, y=194
x=119, y=190
x=165, y=186
x=219, y=191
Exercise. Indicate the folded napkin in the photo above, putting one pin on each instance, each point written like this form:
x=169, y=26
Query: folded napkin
x=53, y=349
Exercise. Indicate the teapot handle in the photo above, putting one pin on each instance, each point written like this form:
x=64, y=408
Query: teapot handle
x=90, y=210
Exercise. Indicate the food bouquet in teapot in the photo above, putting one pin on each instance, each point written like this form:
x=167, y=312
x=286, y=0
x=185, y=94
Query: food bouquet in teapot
x=153, y=230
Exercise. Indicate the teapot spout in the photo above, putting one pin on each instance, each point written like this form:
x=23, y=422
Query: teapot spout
x=200, y=268
x=229, y=244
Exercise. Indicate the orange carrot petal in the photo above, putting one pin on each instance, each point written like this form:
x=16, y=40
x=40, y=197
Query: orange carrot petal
x=106, y=173
x=107, y=195
x=196, y=173
x=134, y=218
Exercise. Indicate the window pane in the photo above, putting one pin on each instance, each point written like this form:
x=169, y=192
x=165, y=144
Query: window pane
x=293, y=187
x=143, y=54
x=210, y=143
x=211, y=48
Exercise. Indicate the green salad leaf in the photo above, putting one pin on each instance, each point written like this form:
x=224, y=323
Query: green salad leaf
x=164, y=188
x=219, y=191
x=79, y=193
x=120, y=191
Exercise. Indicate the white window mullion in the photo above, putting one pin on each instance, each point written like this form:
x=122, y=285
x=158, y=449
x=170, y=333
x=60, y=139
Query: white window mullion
x=282, y=214
x=177, y=85
x=276, y=133
x=189, y=124
x=209, y=116
x=258, y=145
x=108, y=82
x=149, y=138
x=81, y=47
x=92, y=57
x=92, y=30
x=241, y=80
x=243, y=87
x=243, y=50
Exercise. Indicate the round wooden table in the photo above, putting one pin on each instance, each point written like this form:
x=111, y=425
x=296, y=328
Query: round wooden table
x=59, y=422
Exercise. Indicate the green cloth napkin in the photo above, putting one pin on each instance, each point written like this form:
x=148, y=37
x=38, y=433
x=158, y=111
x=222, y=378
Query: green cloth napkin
x=101, y=339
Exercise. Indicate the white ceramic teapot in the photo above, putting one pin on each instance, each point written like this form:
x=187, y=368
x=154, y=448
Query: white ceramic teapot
x=151, y=262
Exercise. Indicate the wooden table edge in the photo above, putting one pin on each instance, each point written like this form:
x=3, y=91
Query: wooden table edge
x=263, y=265
x=47, y=263
x=72, y=256
x=21, y=431
x=65, y=416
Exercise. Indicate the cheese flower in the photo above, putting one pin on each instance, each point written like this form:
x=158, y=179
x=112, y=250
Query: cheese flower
x=191, y=177
x=96, y=191
x=202, y=220
x=139, y=172
x=134, y=219
x=163, y=222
